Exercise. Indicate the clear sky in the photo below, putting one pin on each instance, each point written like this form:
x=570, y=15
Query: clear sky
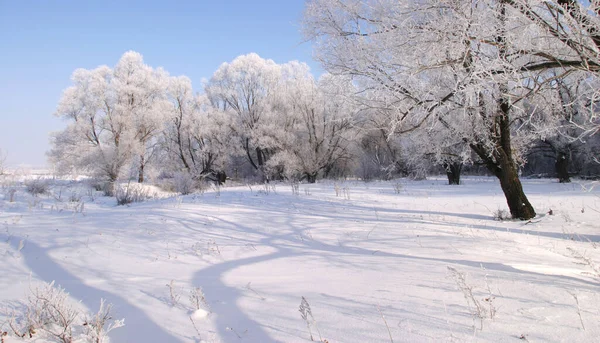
x=43, y=42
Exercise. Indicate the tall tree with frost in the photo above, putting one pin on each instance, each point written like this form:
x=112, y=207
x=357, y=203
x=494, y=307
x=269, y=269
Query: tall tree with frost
x=141, y=98
x=381, y=153
x=322, y=116
x=113, y=117
x=97, y=139
x=194, y=135
x=245, y=89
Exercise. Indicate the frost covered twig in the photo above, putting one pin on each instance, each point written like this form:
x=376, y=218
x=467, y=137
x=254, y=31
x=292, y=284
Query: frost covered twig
x=295, y=188
x=585, y=261
x=308, y=317
x=98, y=326
x=477, y=310
x=578, y=309
x=386, y=324
x=249, y=287
x=198, y=299
x=195, y=328
x=173, y=293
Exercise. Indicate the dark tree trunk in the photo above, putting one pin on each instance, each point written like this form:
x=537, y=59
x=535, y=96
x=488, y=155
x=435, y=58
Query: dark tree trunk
x=141, y=169
x=180, y=141
x=248, y=154
x=518, y=204
x=260, y=161
x=504, y=168
x=259, y=157
x=562, y=167
x=453, y=170
x=311, y=178
x=112, y=176
x=501, y=163
x=221, y=177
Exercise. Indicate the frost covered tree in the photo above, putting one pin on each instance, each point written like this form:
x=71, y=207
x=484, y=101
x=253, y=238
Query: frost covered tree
x=96, y=139
x=564, y=132
x=460, y=65
x=565, y=57
x=405, y=153
x=381, y=152
x=141, y=100
x=320, y=125
x=567, y=47
x=442, y=149
x=114, y=116
x=195, y=135
x=245, y=89
x=179, y=123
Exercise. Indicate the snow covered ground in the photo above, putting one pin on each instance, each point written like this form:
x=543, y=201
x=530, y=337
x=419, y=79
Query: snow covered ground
x=412, y=261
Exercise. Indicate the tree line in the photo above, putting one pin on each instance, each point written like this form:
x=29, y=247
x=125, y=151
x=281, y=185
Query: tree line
x=411, y=86
x=255, y=118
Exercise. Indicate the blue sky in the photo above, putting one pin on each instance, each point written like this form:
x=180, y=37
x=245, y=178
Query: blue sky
x=43, y=42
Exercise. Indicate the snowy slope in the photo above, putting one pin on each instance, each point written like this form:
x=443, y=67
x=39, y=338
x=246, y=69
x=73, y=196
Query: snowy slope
x=375, y=260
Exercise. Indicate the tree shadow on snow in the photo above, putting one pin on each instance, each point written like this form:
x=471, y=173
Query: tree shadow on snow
x=138, y=326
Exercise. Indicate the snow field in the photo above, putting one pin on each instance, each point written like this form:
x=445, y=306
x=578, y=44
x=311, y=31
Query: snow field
x=378, y=256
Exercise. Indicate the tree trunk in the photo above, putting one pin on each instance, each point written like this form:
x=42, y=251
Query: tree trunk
x=501, y=163
x=517, y=201
x=311, y=178
x=141, y=169
x=562, y=167
x=260, y=161
x=504, y=168
x=112, y=176
x=259, y=157
x=453, y=170
x=248, y=154
x=221, y=177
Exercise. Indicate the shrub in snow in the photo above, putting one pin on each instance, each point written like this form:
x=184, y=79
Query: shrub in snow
x=106, y=187
x=49, y=311
x=296, y=188
x=197, y=299
x=183, y=183
x=131, y=193
x=99, y=324
x=96, y=185
x=501, y=215
x=74, y=197
x=11, y=194
x=166, y=185
x=50, y=314
x=36, y=187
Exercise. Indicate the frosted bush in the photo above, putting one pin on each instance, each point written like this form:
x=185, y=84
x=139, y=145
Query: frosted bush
x=131, y=193
x=37, y=187
x=50, y=314
x=183, y=183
